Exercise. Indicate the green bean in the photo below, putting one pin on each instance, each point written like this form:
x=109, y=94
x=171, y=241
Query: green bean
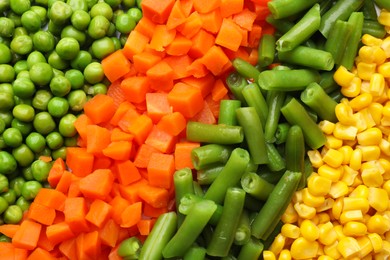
x=256, y=186
x=195, y=253
x=296, y=114
x=252, y=204
x=308, y=57
x=191, y=228
x=369, y=10
x=281, y=25
x=198, y=191
x=327, y=81
x=162, y=232
x=276, y=100
x=336, y=95
x=245, y=69
x=338, y=40
x=276, y=204
x=243, y=231
x=295, y=152
x=130, y=248
x=301, y=31
x=275, y=159
x=207, y=176
x=251, y=250
x=383, y=4
x=285, y=8
x=266, y=50
x=373, y=28
x=229, y=176
x=224, y=233
x=217, y=134
x=254, y=98
x=281, y=133
x=325, y=5
x=183, y=183
x=210, y=155
x=236, y=83
x=287, y=80
x=339, y=11
x=227, y=111
x=316, y=98
x=270, y=176
x=254, y=135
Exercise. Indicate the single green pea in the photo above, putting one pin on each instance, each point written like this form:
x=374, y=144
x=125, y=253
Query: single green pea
x=99, y=88
x=44, y=123
x=6, y=88
x=71, y=32
x=124, y=23
x=7, y=27
x=103, y=47
x=60, y=86
x=41, y=73
x=12, y=137
x=111, y=32
x=6, y=101
x=66, y=126
x=53, y=28
x=13, y=214
x=77, y=99
x=20, y=31
x=43, y=41
x=81, y=61
x=113, y=3
x=22, y=44
x=80, y=20
x=54, y=140
x=41, y=12
x=20, y=6
x=117, y=43
x=5, y=54
x=75, y=77
x=67, y=48
x=135, y=14
x=4, y=6
x=9, y=196
x=4, y=183
x=57, y=62
x=23, y=112
x=36, y=142
x=30, y=189
x=15, y=18
x=8, y=163
x=3, y=205
x=60, y=13
x=7, y=117
x=2, y=126
x=31, y=21
x=58, y=107
x=24, y=127
x=129, y=3
x=57, y=72
x=98, y=27
x=40, y=170
x=101, y=8
x=71, y=141
x=41, y=99
x=23, y=74
x=16, y=185
x=23, y=203
x=7, y=73
x=23, y=155
x=23, y=87
x=78, y=5
x=20, y=66
x=35, y=57
x=59, y=153
x=94, y=73
x=27, y=174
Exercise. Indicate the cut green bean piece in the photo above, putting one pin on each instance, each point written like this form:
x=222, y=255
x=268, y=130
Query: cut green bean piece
x=295, y=153
x=275, y=159
x=207, y=176
x=327, y=81
x=183, y=183
x=245, y=69
x=210, y=155
x=369, y=10
x=227, y=111
x=251, y=250
x=281, y=133
x=198, y=191
x=373, y=28
x=357, y=20
x=236, y=84
x=383, y=4
x=254, y=98
x=256, y=186
x=281, y=25
x=338, y=40
x=243, y=232
x=285, y=8
x=217, y=134
x=287, y=80
x=266, y=50
x=275, y=102
x=325, y=5
x=195, y=253
x=130, y=248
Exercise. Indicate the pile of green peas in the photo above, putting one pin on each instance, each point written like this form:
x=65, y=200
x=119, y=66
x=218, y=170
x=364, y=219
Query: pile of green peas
x=50, y=53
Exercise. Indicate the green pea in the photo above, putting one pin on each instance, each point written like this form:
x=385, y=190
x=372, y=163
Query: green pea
x=44, y=123
x=16, y=185
x=71, y=32
x=57, y=72
x=22, y=44
x=123, y=38
x=103, y=47
x=128, y=3
x=30, y=189
x=23, y=87
x=58, y=106
x=43, y=41
x=27, y=174
x=24, y=127
x=40, y=170
x=66, y=126
x=6, y=101
x=75, y=77
x=101, y=8
x=2, y=126
x=111, y=32
x=23, y=112
x=20, y=66
x=23, y=155
x=78, y=5
x=7, y=117
x=117, y=43
x=31, y=21
x=94, y=73
x=20, y=6
x=3, y=205
x=4, y=184
x=54, y=140
x=81, y=61
x=5, y=54
x=124, y=23
x=7, y=163
x=77, y=100
x=7, y=73
x=23, y=74
x=9, y=196
x=7, y=27
x=13, y=214
x=41, y=73
x=60, y=13
x=35, y=57
x=80, y=20
x=15, y=18
x=57, y=62
x=71, y=141
x=98, y=27
x=41, y=99
x=4, y=6
x=59, y=153
x=23, y=203
x=2, y=143
x=41, y=12
x=67, y=48
x=12, y=137
x=60, y=86
x=54, y=29
x=135, y=14
x=99, y=88
x=36, y=142
x=20, y=31
x=113, y=3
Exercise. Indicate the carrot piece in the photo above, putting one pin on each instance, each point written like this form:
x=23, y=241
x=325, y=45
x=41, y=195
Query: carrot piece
x=40, y=254
x=118, y=135
x=99, y=212
x=187, y=6
x=201, y=43
x=74, y=188
x=206, y=6
x=41, y=213
x=176, y=16
x=80, y=247
x=161, y=76
x=214, y=105
x=119, y=150
x=100, y=108
x=191, y=26
x=212, y=21
x=262, y=11
x=91, y=244
x=146, y=27
x=45, y=158
x=183, y=154
x=118, y=204
x=245, y=19
x=157, y=105
x=179, y=65
x=81, y=124
x=158, y=11
x=162, y=37
x=254, y=36
x=145, y=226
x=56, y=171
x=253, y=57
x=120, y=111
x=143, y=154
x=161, y=140
x=59, y=232
x=75, y=210
x=79, y=160
x=141, y=128
x=185, y=99
x=155, y=196
x=114, y=91
x=44, y=242
x=98, y=138
x=109, y=233
x=205, y=115
x=145, y=60
x=68, y=248
x=219, y=90
x=205, y=84
x=135, y=43
x=27, y=236
x=131, y=215
x=127, y=119
x=229, y=35
x=115, y=65
x=172, y=124
x=215, y=59
x=130, y=191
x=160, y=170
x=197, y=69
x=51, y=198
x=135, y=88
x=97, y=185
x=64, y=183
x=9, y=229
x=230, y=7
x=153, y=212
x=126, y=172
x=179, y=46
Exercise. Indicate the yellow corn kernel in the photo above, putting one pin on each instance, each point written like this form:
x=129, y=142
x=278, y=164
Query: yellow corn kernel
x=372, y=177
x=384, y=145
x=268, y=255
x=315, y=158
x=284, y=255
x=360, y=191
x=323, y=217
x=356, y=159
x=386, y=248
x=330, y=173
x=345, y=132
x=376, y=242
x=303, y=249
x=378, y=224
x=386, y=46
x=344, y=114
x=326, y=127
x=278, y=244
x=365, y=246
x=365, y=86
x=384, y=69
x=370, y=40
x=367, y=118
x=331, y=250
x=310, y=199
x=328, y=204
x=318, y=185
x=373, y=164
x=356, y=203
x=349, y=175
x=360, y=122
x=377, y=84
x=354, y=228
x=290, y=231
x=379, y=55
x=332, y=142
x=366, y=54
x=353, y=89
x=375, y=110
x=343, y=77
x=351, y=215
x=290, y=215
x=371, y=136
x=327, y=234
x=304, y=211
x=378, y=199
x=348, y=247
x=325, y=257
x=385, y=164
x=369, y=152
x=386, y=187
x=360, y=102
x=309, y=230
x=384, y=18
x=337, y=208
x=333, y=158
x=365, y=70
x=339, y=231
x=338, y=189
x=297, y=196
x=346, y=150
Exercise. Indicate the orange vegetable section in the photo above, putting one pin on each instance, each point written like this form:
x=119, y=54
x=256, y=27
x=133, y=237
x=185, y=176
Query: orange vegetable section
x=171, y=70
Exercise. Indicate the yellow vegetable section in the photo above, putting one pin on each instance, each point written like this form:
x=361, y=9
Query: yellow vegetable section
x=344, y=212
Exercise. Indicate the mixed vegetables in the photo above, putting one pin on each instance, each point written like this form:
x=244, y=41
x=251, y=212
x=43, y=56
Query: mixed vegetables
x=194, y=129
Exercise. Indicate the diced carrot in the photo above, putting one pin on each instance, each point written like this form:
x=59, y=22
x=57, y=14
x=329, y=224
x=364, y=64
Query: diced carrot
x=114, y=91
x=100, y=108
x=161, y=76
x=92, y=244
x=155, y=196
x=7, y=250
x=197, y=69
x=158, y=11
x=244, y=38
x=40, y=254
x=115, y=65
x=145, y=60
x=162, y=37
x=79, y=160
x=173, y=123
x=109, y=233
x=201, y=43
x=80, y=247
x=131, y=215
x=9, y=229
x=27, y=236
x=161, y=140
x=205, y=115
x=81, y=124
x=141, y=128
x=64, y=183
x=56, y=171
x=68, y=248
x=206, y=6
x=120, y=111
x=135, y=43
x=97, y=185
x=185, y=99
x=245, y=19
x=51, y=198
x=119, y=150
x=253, y=57
x=215, y=59
x=75, y=210
x=191, y=26
x=179, y=46
x=99, y=212
x=127, y=119
x=74, y=188
x=145, y=226
x=157, y=105
x=187, y=6
x=160, y=170
x=219, y=90
x=176, y=16
x=229, y=35
x=118, y=204
x=102, y=162
x=179, y=65
x=230, y=7
x=255, y=35
x=262, y=11
x=146, y=27
x=118, y=135
x=135, y=88
x=212, y=21
x=152, y=212
x=205, y=84
x=59, y=232
x=41, y=213
x=183, y=154
x=126, y=172
x=98, y=138
x=214, y=105
x=130, y=191
x=142, y=157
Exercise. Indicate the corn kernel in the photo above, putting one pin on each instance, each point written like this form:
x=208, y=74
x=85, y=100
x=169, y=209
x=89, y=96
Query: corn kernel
x=268, y=255
x=339, y=231
x=303, y=249
x=379, y=55
x=315, y=158
x=384, y=145
x=366, y=70
x=333, y=158
x=325, y=257
x=386, y=248
x=304, y=211
x=371, y=136
x=356, y=159
x=366, y=117
x=349, y=175
x=377, y=84
x=375, y=110
x=330, y=173
x=365, y=87
x=323, y=217
x=385, y=121
x=331, y=250
x=343, y=77
x=369, y=152
x=309, y=230
x=278, y=244
x=344, y=114
x=290, y=215
x=346, y=150
x=328, y=204
x=376, y=242
x=310, y=199
x=373, y=164
x=384, y=69
x=348, y=247
x=284, y=255
x=337, y=208
x=378, y=224
x=327, y=235
x=360, y=102
x=351, y=215
x=372, y=53
x=354, y=228
x=353, y=89
x=365, y=246
x=318, y=185
x=386, y=46
x=360, y=122
x=332, y=142
x=297, y=196
x=356, y=203
x=385, y=164
x=370, y=40
x=326, y=127
x=384, y=18
x=290, y=231
x=338, y=189
x=386, y=187
x=345, y=132
x=378, y=199
x=372, y=177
